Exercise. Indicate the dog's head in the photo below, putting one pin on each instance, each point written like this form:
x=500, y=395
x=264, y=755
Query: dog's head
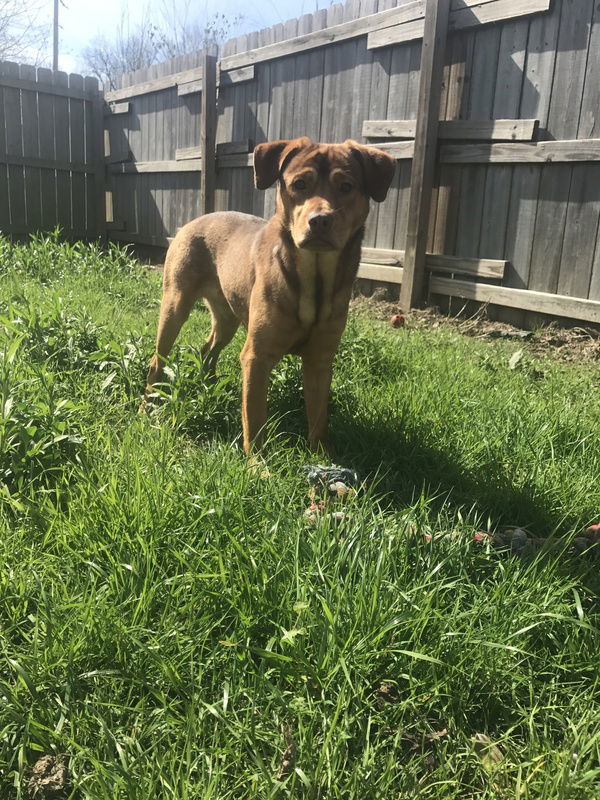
x=323, y=189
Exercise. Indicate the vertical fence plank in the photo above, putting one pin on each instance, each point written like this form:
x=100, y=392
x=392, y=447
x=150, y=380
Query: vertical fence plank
x=480, y=104
x=594, y=290
x=581, y=231
x=31, y=148
x=208, y=132
x=331, y=97
x=445, y=209
x=300, y=109
x=77, y=148
x=509, y=80
x=569, y=74
x=589, y=118
x=238, y=179
x=432, y=63
x=263, y=106
x=4, y=201
x=549, y=227
x=97, y=221
x=62, y=153
x=14, y=147
x=46, y=129
x=274, y=129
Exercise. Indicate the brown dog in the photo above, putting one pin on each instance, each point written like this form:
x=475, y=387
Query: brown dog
x=288, y=280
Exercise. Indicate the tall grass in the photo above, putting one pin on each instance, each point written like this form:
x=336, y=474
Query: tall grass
x=166, y=612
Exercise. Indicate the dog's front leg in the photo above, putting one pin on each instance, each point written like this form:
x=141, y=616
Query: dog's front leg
x=317, y=382
x=317, y=366
x=256, y=370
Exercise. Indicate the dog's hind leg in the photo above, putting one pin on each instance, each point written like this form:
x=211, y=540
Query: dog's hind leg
x=175, y=308
x=224, y=326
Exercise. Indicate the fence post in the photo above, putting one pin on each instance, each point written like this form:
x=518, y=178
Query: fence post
x=91, y=84
x=423, y=163
x=208, y=131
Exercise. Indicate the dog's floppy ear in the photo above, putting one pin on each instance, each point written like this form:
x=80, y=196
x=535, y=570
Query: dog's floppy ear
x=378, y=168
x=270, y=159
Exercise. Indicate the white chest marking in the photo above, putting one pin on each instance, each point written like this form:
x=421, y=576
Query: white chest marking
x=310, y=265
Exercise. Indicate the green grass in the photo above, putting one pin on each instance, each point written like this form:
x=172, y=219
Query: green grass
x=166, y=611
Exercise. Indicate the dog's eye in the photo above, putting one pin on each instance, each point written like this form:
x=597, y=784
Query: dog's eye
x=346, y=186
x=299, y=185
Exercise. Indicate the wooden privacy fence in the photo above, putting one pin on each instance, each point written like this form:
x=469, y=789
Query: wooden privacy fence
x=491, y=108
x=493, y=112
x=51, y=161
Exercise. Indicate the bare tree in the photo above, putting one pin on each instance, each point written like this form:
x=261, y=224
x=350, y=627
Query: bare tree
x=174, y=31
x=22, y=36
x=183, y=31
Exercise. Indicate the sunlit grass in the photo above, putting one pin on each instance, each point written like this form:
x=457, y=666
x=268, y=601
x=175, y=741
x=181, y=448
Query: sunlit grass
x=166, y=611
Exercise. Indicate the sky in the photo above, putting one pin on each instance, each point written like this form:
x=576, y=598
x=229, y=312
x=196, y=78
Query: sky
x=81, y=20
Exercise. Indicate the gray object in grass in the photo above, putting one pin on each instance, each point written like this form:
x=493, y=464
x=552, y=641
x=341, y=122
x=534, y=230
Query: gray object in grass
x=318, y=474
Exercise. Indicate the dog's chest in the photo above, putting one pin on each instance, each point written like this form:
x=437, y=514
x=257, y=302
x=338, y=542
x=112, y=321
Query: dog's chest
x=316, y=274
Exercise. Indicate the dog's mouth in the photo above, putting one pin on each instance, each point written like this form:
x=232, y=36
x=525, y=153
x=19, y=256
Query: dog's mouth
x=316, y=244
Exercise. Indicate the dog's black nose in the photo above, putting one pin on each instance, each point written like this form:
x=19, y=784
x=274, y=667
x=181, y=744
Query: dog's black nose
x=320, y=223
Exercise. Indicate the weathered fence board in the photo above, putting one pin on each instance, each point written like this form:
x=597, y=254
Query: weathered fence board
x=471, y=16
x=463, y=129
x=153, y=190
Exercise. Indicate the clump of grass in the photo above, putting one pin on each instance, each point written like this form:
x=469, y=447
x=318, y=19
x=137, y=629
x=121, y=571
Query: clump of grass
x=46, y=257
x=170, y=621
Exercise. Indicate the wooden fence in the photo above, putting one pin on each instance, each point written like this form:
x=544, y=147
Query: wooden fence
x=512, y=217
x=154, y=124
x=51, y=161
x=498, y=202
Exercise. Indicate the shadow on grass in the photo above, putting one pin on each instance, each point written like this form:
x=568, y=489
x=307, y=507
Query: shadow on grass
x=405, y=468
x=399, y=460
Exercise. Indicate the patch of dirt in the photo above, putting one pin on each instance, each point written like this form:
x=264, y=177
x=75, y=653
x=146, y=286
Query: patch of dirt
x=48, y=778
x=570, y=344
x=387, y=693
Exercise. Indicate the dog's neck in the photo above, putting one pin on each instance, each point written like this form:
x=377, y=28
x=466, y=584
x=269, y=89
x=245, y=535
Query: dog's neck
x=317, y=276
